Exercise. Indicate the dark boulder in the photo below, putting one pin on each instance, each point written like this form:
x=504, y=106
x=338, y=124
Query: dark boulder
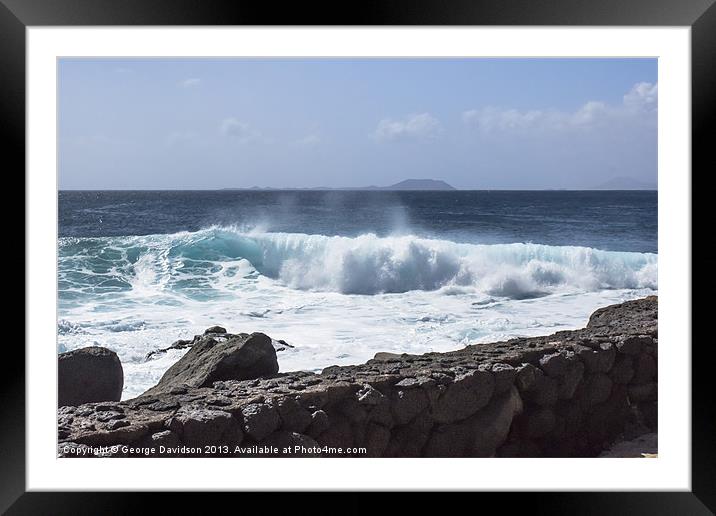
x=319, y=423
x=466, y=395
x=201, y=426
x=240, y=357
x=504, y=377
x=479, y=435
x=293, y=416
x=260, y=420
x=89, y=375
x=554, y=364
x=564, y=395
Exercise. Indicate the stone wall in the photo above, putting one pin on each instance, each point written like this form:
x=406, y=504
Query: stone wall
x=569, y=394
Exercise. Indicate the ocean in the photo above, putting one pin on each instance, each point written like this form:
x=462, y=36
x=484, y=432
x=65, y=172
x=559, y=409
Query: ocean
x=341, y=275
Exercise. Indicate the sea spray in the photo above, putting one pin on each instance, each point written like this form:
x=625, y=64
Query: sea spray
x=216, y=258
x=342, y=275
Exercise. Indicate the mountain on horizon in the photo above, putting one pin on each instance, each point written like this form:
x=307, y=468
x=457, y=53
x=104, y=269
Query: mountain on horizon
x=408, y=184
x=419, y=184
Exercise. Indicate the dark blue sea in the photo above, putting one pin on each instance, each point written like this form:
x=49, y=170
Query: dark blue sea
x=343, y=274
x=609, y=220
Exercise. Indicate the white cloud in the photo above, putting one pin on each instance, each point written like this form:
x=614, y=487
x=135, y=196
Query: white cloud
x=492, y=118
x=643, y=96
x=640, y=101
x=238, y=130
x=414, y=127
x=589, y=114
x=191, y=82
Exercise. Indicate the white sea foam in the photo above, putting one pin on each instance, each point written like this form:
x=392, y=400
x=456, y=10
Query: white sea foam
x=339, y=300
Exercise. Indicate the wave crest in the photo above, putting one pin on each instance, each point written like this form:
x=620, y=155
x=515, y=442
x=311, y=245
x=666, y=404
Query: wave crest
x=366, y=264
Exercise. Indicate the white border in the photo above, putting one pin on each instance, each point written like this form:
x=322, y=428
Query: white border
x=670, y=471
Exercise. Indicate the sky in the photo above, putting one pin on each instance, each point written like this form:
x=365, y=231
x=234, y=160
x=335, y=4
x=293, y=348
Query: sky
x=296, y=123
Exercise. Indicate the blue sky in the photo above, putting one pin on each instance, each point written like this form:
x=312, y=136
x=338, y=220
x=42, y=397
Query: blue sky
x=475, y=123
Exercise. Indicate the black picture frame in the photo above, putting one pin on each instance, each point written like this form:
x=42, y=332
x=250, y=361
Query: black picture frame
x=700, y=15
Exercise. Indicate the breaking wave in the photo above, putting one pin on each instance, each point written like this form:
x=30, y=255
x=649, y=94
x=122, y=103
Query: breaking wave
x=224, y=259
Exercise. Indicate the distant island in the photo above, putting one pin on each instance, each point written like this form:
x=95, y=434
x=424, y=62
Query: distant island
x=426, y=185
x=415, y=184
x=408, y=184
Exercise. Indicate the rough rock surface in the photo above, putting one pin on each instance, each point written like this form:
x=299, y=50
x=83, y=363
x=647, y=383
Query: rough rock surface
x=215, y=358
x=89, y=374
x=644, y=446
x=216, y=333
x=572, y=393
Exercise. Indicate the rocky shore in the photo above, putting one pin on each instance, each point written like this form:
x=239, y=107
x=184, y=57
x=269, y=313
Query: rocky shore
x=570, y=394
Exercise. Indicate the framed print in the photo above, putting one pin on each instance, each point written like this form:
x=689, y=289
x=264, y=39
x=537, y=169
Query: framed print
x=445, y=239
